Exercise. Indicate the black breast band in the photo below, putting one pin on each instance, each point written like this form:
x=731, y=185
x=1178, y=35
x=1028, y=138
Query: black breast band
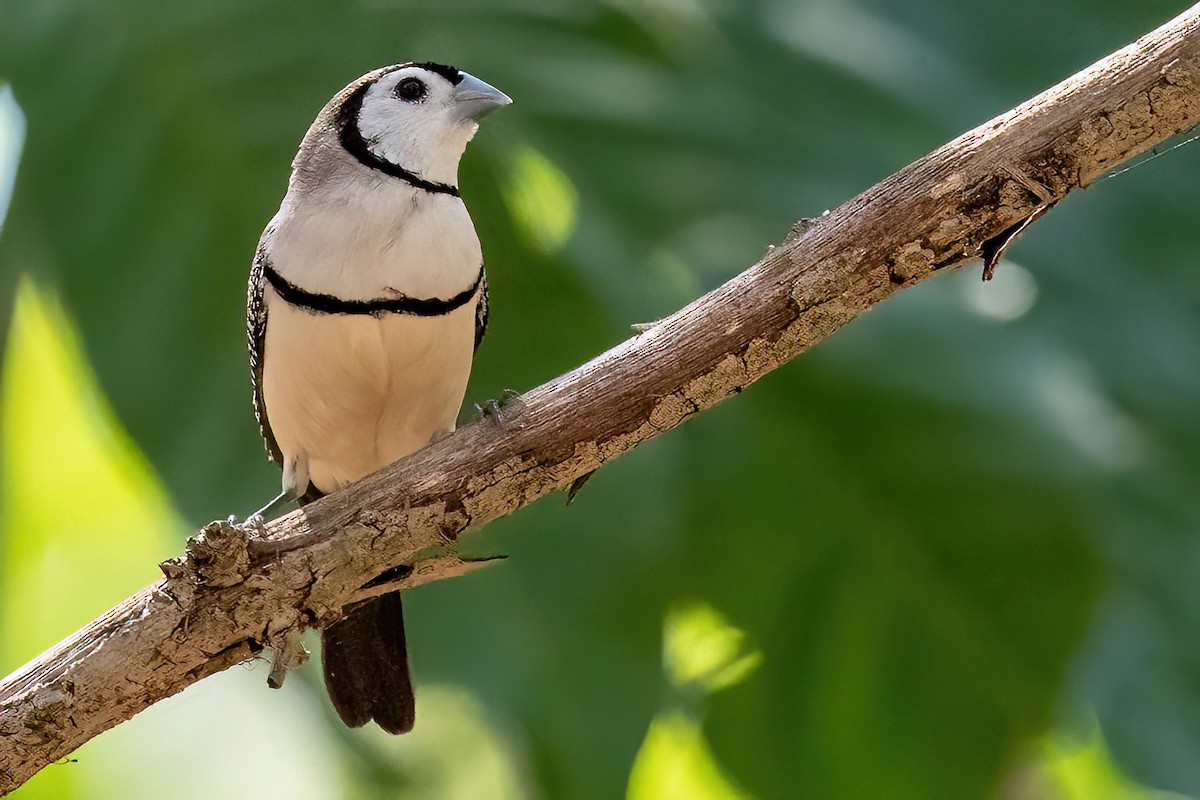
x=401, y=304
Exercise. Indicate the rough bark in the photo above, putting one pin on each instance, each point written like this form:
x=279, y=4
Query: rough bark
x=234, y=594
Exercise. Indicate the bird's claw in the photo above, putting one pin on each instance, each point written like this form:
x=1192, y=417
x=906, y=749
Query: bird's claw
x=493, y=407
x=488, y=408
x=252, y=524
x=642, y=327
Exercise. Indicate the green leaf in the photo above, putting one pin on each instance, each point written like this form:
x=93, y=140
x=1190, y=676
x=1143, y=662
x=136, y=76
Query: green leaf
x=84, y=519
x=1080, y=768
x=702, y=653
x=542, y=201
x=675, y=763
x=701, y=648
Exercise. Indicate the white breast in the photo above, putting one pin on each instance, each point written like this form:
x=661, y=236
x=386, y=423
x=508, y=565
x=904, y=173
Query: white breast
x=363, y=245
x=353, y=393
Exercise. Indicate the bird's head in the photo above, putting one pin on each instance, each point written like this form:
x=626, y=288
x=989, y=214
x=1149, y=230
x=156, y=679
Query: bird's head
x=418, y=117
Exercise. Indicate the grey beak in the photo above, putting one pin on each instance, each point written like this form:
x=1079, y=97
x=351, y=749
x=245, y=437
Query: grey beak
x=473, y=98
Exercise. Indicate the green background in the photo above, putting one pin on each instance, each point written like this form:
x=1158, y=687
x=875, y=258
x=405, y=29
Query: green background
x=952, y=552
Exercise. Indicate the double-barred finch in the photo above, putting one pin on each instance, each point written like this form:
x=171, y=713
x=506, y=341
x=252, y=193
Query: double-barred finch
x=367, y=299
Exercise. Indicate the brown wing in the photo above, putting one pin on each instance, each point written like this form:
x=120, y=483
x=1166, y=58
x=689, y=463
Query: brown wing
x=256, y=337
x=481, y=310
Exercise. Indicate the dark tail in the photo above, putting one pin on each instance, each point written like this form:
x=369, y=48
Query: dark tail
x=366, y=666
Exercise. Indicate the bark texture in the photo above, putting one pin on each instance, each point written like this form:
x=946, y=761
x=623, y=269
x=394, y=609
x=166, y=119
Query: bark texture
x=234, y=594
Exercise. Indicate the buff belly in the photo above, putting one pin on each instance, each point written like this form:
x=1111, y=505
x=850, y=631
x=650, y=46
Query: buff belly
x=353, y=393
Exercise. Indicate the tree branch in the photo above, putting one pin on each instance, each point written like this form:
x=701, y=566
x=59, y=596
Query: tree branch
x=235, y=593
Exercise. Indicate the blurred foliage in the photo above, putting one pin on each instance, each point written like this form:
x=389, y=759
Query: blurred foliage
x=84, y=522
x=542, y=201
x=702, y=653
x=966, y=520
x=1079, y=768
x=674, y=763
x=98, y=527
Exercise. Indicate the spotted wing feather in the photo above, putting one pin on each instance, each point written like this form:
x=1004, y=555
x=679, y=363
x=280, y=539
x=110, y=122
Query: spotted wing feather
x=481, y=310
x=256, y=336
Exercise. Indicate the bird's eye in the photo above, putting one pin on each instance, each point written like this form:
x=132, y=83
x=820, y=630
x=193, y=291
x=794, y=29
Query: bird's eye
x=411, y=90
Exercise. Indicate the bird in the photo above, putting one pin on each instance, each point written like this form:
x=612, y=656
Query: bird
x=367, y=299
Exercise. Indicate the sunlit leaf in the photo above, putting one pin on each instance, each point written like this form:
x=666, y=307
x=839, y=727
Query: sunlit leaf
x=542, y=200
x=675, y=763
x=1081, y=769
x=700, y=647
x=84, y=520
x=702, y=653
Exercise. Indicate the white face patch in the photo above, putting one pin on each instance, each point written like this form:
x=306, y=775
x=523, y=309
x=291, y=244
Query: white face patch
x=427, y=136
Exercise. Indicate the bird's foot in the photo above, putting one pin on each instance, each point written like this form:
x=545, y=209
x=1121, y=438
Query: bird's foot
x=803, y=226
x=642, y=327
x=257, y=520
x=494, y=407
x=253, y=524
